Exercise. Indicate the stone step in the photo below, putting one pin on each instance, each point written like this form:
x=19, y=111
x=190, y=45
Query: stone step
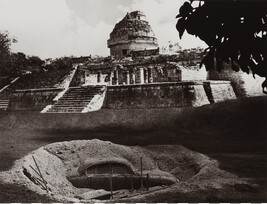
x=68, y=96
x=4, y=104
x=86, y=88
x=76, y=99
x=59, y=111
x=83, y=90
x=73, y=101
x=68, y=108
x=83, y=94
x=92, y=89
x=64, y=110
x=89, y=96
x=70, y=105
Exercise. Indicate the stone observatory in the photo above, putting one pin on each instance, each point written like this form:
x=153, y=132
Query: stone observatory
x=132, y=33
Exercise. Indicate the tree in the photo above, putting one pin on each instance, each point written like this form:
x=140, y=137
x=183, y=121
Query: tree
x=5, y=54
x=35, y=61
x=63, y=63
x=19, y=63
x=35, y=64
x=234, y=30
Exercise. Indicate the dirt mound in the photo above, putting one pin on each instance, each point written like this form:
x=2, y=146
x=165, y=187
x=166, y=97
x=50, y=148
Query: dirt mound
x=46, y=170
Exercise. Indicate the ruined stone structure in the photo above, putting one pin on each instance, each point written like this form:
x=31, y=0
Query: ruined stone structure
x=132, y=33
x=134, y=76
x=143, y=71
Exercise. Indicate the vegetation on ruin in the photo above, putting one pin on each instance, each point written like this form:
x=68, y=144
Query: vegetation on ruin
x=235, y=32
x=33, y=71
x=5, y=53
x=18, y=64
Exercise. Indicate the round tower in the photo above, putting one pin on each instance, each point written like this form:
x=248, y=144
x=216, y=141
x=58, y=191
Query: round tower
x=132, y=33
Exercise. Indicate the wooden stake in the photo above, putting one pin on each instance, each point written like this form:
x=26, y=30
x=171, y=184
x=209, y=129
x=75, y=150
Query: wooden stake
x=110, y=180
x=131, y=180
x=40, y=174
x=147, y=182
x=141, y=161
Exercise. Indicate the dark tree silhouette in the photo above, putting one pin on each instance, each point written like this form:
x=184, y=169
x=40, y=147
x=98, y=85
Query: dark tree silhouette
x=5, y=54
x=234, y=30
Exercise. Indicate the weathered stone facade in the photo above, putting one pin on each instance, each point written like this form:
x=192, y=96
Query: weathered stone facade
x=132, y=33
x=129, y=72
x=32, y=99
x=134, y=76
x=168, y=95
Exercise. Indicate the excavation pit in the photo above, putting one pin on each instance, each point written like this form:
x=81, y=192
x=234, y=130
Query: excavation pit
x=91, y=170
x=118, y=174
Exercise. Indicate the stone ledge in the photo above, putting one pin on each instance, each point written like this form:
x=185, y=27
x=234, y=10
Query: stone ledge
x=39, y=90
x=186, y=83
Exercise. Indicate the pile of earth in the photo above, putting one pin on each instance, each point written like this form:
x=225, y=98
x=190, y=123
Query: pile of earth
x=59, y=161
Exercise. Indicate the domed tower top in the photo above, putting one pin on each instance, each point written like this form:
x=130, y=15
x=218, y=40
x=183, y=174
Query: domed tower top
x=132, y=33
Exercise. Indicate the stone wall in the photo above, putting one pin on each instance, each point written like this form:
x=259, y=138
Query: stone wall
x=191, y=70
x=117, y=50
x=4, y=81
x=32, y=99
x=78, y=79
x=253, y=85
x=166, y=95
x=244, y=84
x=228, y=74
x=222, y=91
x=146, y=96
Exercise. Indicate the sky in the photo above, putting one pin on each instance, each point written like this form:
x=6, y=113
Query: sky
x=57, y=28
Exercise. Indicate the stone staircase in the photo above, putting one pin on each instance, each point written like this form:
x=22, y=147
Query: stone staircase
x=4, y=104
x=75, y=99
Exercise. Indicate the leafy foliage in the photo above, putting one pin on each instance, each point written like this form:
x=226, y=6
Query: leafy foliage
x=234, y=30
x=5, y=54
x=17, y=64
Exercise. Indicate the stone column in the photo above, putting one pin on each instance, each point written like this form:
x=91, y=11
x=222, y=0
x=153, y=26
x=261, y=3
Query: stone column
x=83, y=77
x=114, y=80
x=127, y=77
x=146, y=76
x=110, y=78
x=150, y=75
x=117, y=77
x=142, y=80
x=133, y=78
x=98, y=77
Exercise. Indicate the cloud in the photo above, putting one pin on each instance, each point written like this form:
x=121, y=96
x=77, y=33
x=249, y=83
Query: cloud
x=56, y=28
x=161, y=16
x=50, y=29
x=93, y=11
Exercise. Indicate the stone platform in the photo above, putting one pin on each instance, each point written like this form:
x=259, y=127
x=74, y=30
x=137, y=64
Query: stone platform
x=139, y=96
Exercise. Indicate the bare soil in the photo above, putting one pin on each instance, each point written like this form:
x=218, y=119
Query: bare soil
x=58, y=161
x=233, y=133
